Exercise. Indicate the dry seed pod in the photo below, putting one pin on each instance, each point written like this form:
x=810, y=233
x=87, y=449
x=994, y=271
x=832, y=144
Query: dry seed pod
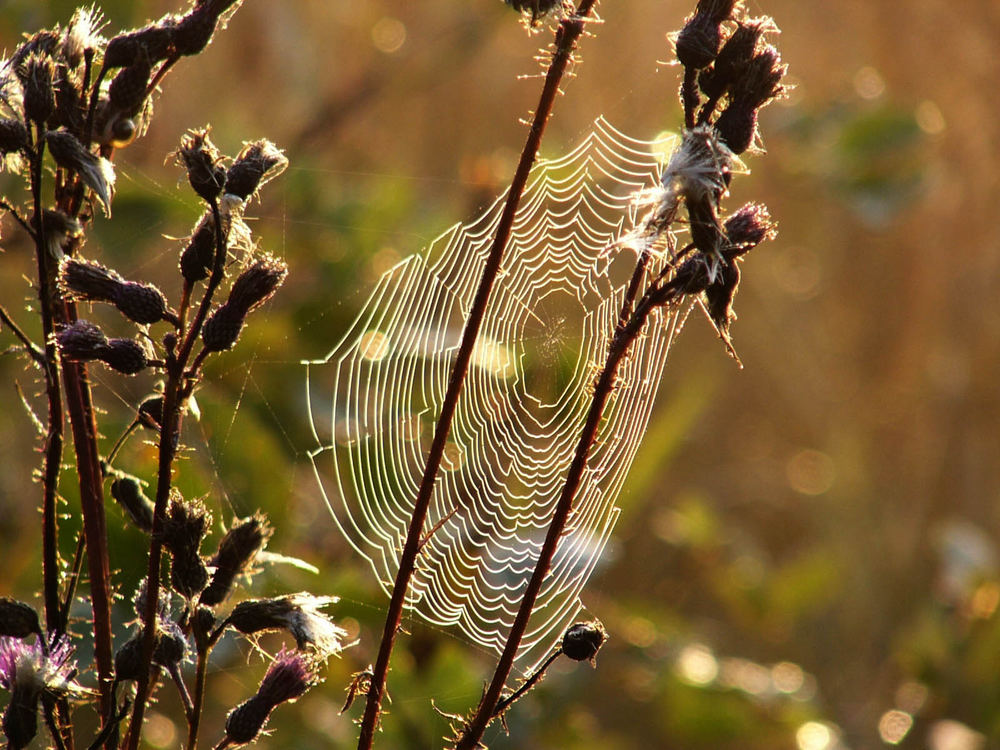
x=236, y=553
x=128, y=492
x=17, y=619
x=583, y=640
x=202, y=160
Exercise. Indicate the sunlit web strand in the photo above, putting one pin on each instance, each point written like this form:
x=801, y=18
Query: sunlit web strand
x=375, y=398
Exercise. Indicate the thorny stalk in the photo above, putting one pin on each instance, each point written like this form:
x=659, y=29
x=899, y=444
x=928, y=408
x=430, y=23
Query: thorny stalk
x=698, y=173
x=569, y=31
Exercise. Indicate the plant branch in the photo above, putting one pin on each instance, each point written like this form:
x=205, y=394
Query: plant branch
x=569, y=31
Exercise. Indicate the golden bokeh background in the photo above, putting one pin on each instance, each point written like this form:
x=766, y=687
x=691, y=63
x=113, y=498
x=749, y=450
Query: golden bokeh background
x=808, y=552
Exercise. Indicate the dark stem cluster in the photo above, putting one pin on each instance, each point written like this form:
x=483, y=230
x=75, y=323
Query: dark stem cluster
x=69, y=98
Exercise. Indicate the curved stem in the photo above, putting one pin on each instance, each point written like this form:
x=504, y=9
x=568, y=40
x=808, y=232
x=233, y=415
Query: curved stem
x=567, y=35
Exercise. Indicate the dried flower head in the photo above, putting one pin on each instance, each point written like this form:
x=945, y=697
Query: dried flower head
x=236, y=553
x=38, y=76
x=85, y=280
x=17, y=619
x=186, y=524
x=50, y=671
x=748, y=227
x=288, y=677
x=258, y=163
x=251, y=289
x=700, y=166
x=95, y=171
x=202, y=160
x=82, y=34
x=582, y=641
x=155, y=41
x=697, y=43
x=298, y=614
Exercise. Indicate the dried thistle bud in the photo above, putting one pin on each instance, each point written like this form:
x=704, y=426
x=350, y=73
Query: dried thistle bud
x=700, y=166
x=198, y=256
x=202, y=625
x=252, y=288
x=199, y=156
x=126, y=356
x=188, y=574
x=258, y=163
x=537, y=8
x=95, y=171
x=20, y=718
x=88, y=280
x=171, y=646
x=81, y=341
x=298, y=614
x=17, y=619
x=747, y=228
x=127, y=90
x=59, y=229
x=82, y=35
x=290, y=675
x=128, y=659
x=257, y=283
x=717, y=10
x=236, y=553
x=194, y=31
x=155, y=41
x=39, y=90
x=223, y=328
x=734, y=56
x=583, y=640
x=186, y=524
x=698, y=42
x=150, y=412
x=127, y=491
x=719, y=297
x=13, y=135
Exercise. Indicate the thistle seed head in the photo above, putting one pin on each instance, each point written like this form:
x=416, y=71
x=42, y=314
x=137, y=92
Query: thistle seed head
x=17, y=619
x=188, y=574
x=198, y=256
x=583, y=640
x=236, y=553
x=128, y=659
x=82, y=34
x=81, y=341
x=747, y=228
x=126, y=356
x=39, y=90
x=298, y=614
x=223, y=328
x=202, y=160
x=258, y=163
x=171, y=646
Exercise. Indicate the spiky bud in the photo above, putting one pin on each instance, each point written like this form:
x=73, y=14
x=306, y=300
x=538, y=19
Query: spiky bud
x=126, y=356
x=171, y=646
x=202, y=625
x=717, y=10
x=746, y=228
x=186, y=524
x=582, y=641
x=198, y=256
x=127, y=491
x=290, y=675
x=39, y=91
x=236, y=553
x=127, y=91
x=194, y=31
x=128, y=659
x=734, y=56
x=698, y=42
x=199, y=156
x=88, y=280
x=155, y=41
x=188, y=574
x=251, y=289
x=255, y=165
x=17, y=619
x=13, y=135
x=81, y=341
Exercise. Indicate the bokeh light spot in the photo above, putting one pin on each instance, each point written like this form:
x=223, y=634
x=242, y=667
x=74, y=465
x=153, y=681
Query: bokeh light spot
x=810, y=472
x=815, y=735
x=869, y=83
x=930, y=118
x=697, y=664
x=894, y=726
x=388, y=35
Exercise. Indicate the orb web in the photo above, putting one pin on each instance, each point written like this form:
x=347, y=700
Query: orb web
x=374, y=400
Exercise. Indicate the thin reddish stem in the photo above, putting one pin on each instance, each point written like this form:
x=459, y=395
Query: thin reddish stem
x=568, y=33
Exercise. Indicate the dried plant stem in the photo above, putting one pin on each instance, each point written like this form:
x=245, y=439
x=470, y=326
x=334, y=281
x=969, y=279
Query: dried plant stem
x=569, y=32
x=605, y=384
x=53, y=394
x=176, y=390
x=194, y=723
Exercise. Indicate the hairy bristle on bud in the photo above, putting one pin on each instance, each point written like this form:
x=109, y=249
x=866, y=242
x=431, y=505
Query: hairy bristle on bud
x=255, y=165
x=202, y=160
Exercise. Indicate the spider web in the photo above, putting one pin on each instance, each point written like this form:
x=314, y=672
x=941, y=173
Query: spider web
x=374, y=399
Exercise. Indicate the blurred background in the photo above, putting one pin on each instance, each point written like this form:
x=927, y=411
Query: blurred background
x=808, y=551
